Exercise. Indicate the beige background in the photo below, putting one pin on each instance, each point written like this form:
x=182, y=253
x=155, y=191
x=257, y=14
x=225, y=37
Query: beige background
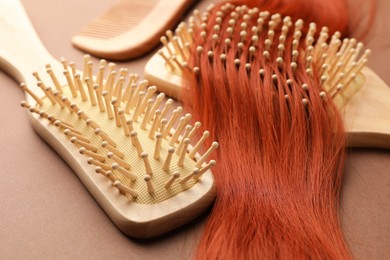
x=45, y=212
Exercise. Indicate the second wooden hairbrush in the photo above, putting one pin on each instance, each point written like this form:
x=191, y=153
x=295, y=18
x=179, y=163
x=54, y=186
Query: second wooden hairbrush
x=113, y=131
x=363, y=98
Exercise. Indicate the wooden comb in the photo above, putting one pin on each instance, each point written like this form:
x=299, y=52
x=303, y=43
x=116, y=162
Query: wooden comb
x=363, y=98
x=130, y=28
x=113, y=131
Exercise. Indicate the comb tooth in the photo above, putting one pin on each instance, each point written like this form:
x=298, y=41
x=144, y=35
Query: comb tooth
x=80, y=87
x=112, y=149
x=70, y=83
x=204, y=169
x=81, y=143
x=99, y=164
x=149, y=184
x=194, y=173
x=157, y=148
x=148, y=169
x=110, y=113
x=118, y=160
x=205, y=135
x=28, y=91
x=127, y=173
x=99, y=98
x=156, y=120
x=124, y=189
x=207, y=154
x=96, y=156
x=186, y=134
x=183, y=153
x=172, y=179
x=92, y=98
x=168, y=160
x=58, y=97
x=53, y=78
x=136, y=143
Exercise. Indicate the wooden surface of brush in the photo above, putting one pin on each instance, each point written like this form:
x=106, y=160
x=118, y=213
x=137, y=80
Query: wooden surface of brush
x=115, y=133
x=362, y=97
x=130, y=28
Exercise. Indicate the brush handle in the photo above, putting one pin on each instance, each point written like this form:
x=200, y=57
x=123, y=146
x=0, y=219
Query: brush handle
x=21, y=51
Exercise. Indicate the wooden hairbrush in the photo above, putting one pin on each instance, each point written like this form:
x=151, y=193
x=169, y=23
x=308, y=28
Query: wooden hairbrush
x=113, y=131
x=130, y=28
x=362, y=97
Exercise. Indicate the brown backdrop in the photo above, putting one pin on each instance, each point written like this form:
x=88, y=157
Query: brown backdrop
x=46, y=213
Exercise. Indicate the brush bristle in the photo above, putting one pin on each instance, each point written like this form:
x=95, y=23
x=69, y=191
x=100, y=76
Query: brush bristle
x=244, y=36
x=118, y=124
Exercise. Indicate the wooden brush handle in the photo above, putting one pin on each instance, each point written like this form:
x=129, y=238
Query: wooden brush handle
x=21, y=51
